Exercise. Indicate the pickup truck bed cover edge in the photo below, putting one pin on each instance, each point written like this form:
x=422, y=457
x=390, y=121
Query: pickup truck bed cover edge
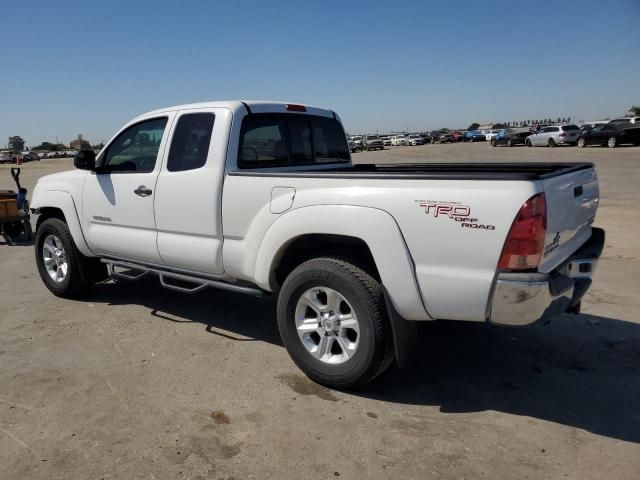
x=451, y=171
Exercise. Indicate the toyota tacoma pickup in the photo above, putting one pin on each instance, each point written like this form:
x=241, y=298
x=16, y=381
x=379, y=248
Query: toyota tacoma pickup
x=262, y=198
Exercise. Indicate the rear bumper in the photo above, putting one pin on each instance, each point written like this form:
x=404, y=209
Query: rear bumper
x=520, y=299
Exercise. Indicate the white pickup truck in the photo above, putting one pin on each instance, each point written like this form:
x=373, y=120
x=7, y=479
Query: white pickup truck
x=261, y=197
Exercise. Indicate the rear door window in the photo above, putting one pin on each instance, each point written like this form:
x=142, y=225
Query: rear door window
x=190, y=144
x=570, y=128
x=270, y=140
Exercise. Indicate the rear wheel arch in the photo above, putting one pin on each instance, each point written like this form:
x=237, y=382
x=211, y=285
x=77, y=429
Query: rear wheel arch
x=371, y=236
x=313, y=245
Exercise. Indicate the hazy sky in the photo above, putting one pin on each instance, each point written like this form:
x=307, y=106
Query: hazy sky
x=74, y=67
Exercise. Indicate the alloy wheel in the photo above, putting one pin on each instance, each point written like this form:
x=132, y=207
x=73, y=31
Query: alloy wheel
x=327, y=325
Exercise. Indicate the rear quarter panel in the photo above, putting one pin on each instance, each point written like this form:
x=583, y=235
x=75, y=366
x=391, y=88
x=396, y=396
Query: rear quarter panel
x=454, y=261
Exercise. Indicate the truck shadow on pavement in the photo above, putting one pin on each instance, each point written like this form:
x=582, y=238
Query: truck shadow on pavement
x=226, y=314
x=581, y=371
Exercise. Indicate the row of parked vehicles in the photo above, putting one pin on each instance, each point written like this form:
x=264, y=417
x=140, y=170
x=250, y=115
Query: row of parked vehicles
x=604, y=133
x=378, y=142
x=33, y=156
x=625, y=130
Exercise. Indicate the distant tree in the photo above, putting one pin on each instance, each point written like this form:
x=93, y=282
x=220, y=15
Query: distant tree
x=99, y=146
x=16, y=143
x=473, y=126
x=84, y=145
x=634, y=111
x=499, y=125
x=44, y=146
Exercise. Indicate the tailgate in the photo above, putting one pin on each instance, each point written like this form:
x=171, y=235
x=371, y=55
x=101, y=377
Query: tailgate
x=572, y=201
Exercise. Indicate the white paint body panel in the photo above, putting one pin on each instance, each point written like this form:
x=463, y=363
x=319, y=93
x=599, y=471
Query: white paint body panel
x=115, y=220
x=187, y=204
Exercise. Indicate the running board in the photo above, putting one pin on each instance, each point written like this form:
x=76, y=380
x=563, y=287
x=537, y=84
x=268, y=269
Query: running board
x=200, y=283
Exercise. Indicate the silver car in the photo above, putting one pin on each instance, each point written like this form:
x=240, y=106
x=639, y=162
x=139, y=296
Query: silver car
x=554, y=135
x=6, y=157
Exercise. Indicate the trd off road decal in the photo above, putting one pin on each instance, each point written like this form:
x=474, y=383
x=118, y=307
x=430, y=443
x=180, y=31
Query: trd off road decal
x=454, y=211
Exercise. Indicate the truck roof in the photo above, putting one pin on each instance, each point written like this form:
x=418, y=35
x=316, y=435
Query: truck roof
x=255, y=106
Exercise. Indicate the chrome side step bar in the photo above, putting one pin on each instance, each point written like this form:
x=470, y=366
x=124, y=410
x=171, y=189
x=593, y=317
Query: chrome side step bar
x=200, y=283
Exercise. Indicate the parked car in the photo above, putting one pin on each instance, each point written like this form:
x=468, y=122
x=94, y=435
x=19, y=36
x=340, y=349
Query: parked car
x=554, y=135
x=398, y=140
x=474, y=136
x=342, y=247
x=29, y=156
x=352, y=146
x=386, y=140
x=434, y=136
x=416, y=140
x=633, y=120
x=510, y=137
x=357, y=139
x=6, y=157
x=490, y=134
x=611, y=135
x=372, y=142
x=445, y=137
x=426, y=138
x=458, y=136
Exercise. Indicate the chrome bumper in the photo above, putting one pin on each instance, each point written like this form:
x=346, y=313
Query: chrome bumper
x=521, y=299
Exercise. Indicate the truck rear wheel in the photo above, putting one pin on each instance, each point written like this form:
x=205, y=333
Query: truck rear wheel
x=333, y=322
x=63, y=269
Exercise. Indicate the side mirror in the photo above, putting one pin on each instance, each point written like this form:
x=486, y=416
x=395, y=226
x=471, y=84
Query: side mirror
x=85, y=160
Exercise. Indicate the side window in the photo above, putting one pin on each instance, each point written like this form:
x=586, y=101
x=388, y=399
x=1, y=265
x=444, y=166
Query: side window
x=190, y=143
x=135, y=149
x=263, y=142
x=329, y=142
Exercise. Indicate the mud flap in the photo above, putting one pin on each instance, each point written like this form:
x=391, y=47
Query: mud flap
x=405, y=335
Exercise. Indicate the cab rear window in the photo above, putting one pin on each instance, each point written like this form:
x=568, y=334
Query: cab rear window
x=275, y=140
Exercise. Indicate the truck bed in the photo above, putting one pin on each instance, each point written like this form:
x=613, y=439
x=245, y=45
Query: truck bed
x=444, y=171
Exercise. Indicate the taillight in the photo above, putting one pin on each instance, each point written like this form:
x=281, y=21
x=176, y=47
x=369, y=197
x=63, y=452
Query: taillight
x=524, y=245
x=562, y=134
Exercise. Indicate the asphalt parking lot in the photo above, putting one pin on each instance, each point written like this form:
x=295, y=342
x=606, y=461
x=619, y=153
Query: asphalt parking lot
x=140, y=382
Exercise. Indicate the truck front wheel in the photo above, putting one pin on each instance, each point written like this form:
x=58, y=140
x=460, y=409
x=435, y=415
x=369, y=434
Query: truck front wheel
x=63, y=269
x=333, y=322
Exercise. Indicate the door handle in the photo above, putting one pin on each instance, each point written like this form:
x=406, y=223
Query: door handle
x=143, y=191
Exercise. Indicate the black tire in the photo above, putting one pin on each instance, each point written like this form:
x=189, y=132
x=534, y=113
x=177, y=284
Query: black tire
x=581, y=143
x=528, y=143
x=375, y=347
x=82, y=272
x=493, y=142
x=612, y=142
x=551, y=143
x=509, y=143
